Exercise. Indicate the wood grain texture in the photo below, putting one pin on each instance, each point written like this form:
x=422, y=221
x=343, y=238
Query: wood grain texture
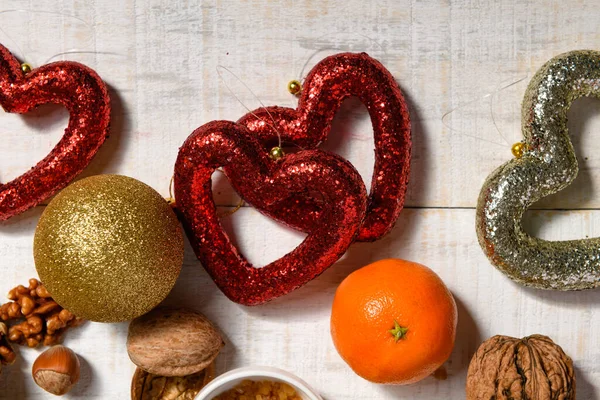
x=463, y=66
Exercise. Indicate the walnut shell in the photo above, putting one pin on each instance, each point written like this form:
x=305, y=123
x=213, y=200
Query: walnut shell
x=146, y=386
x=173, y=342
x=532, y=368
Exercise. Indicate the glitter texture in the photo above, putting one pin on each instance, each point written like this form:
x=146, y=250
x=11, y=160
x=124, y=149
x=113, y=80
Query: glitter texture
x=330, y=82
x=548, y=165
x=264, y=182
x=81, y=91
x=108, y=248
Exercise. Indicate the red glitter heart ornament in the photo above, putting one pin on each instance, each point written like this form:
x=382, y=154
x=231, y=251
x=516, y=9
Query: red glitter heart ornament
x=330, y=82
x=81, y=91
x=226, y=144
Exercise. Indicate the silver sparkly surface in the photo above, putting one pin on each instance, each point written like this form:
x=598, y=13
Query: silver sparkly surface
x=547, y=167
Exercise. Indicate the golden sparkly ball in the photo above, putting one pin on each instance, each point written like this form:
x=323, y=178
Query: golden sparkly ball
x=294, y=87
x=108, y=248
x=518, y=149
x=276, y=153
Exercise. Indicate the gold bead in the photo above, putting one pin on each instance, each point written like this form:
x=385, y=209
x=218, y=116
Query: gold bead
x=171, y=202
x=518, y=149
x=276, y=153
x=294, y=87
x=26, y=68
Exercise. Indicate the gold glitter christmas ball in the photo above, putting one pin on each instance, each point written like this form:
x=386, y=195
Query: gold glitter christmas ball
x=108, y=248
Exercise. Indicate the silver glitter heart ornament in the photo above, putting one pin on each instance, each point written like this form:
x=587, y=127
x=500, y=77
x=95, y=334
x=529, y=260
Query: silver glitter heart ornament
x=547, y=166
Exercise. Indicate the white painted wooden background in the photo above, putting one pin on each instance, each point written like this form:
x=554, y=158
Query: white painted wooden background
x=463, y=66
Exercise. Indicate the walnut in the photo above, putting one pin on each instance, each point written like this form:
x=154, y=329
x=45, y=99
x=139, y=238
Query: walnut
x=532, y=368
x=146, y=386
x=173, y=342
x=44, y=320
x=7, y=354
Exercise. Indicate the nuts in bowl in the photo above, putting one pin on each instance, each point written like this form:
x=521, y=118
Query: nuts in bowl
x=265, y=382
x=267, y=390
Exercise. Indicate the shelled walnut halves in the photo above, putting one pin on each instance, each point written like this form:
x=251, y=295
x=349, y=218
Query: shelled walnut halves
x=7, y=354
x=44, y=320
x=147, y=386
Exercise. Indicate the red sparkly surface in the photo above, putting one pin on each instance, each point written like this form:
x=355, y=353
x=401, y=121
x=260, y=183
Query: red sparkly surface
x=265, y=182
x=81, y=91
x=327, y=85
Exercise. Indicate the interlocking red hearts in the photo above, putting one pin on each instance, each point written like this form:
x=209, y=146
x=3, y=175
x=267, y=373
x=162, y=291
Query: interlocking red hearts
x=81, y=91
x=330, y=82
x=265, y=182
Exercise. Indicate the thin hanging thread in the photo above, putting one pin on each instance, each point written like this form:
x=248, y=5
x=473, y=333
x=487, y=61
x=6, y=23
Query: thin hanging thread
x=21, y=54
x=485, y=96
x=492, y=105
x=305, y=65
x=79, y=51
x=274, y=125
x=171, y=198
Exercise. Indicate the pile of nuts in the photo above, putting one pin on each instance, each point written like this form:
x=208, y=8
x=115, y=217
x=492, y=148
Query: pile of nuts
x=40, y=319
x=36, y=319
x=174, y=350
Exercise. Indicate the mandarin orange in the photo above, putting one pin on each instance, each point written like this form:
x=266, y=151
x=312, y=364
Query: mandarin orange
x=393, y=321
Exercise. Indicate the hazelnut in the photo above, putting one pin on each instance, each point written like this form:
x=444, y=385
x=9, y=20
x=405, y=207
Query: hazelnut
x=173, y=342
x=56, y=370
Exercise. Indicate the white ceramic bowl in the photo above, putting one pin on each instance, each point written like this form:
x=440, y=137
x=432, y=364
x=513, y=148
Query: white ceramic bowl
x=232, y=378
